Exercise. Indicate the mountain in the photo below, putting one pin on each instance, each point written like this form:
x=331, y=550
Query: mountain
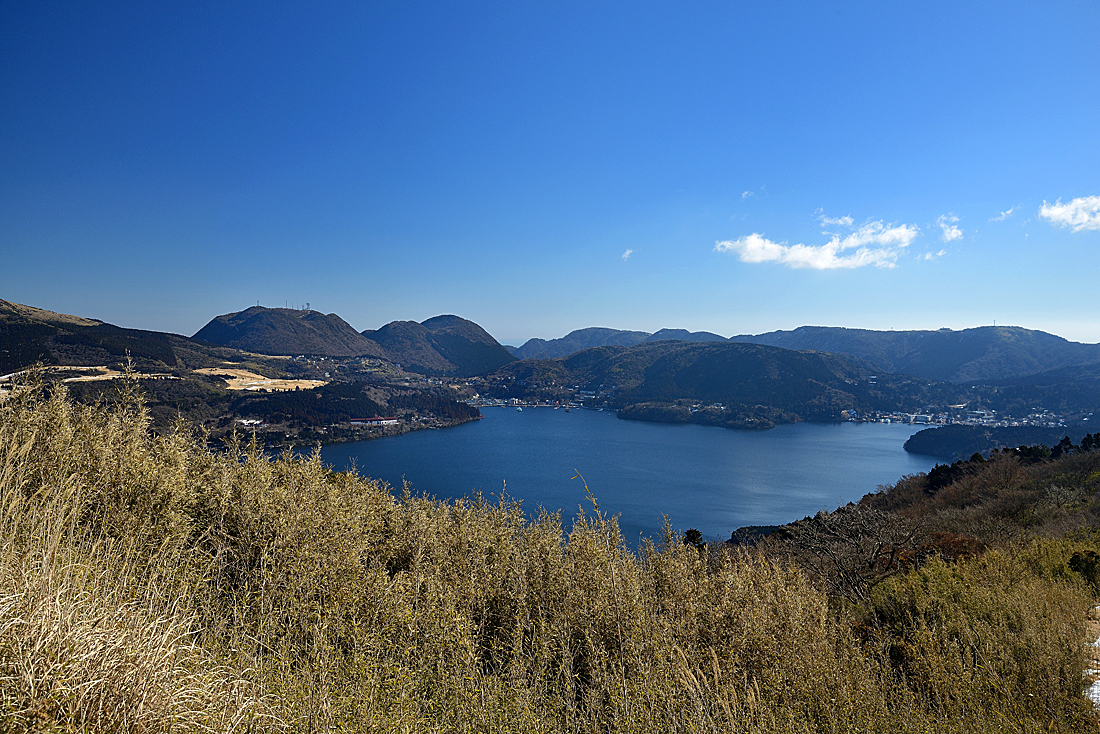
x=580, y=339
x=577, y=340
x=443, y=345
x=684, y=335
x=981, y=354
x=287, y=331
x=725, y=383
x=1084, y=375
x=29, y=335
x=1065, y=390
x=466, y=345
x=409, y=344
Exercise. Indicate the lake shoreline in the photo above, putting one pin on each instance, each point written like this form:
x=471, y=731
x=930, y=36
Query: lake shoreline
x=712, y=479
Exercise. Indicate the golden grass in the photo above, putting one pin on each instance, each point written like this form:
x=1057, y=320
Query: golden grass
x=237, y=379
x=38, y=314
x=150, y=584
x=89, y=640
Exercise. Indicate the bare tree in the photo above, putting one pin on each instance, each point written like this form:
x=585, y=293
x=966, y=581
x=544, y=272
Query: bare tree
x=855, y=547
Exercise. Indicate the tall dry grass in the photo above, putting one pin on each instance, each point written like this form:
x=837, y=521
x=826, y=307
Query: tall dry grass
x=149, y=584
x=93, y=636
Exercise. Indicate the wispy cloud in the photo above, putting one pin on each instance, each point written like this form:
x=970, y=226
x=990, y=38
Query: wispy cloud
x=873, y=243
x=1081, y=213
x=746, y=194
x=1005, y=214
x=934, y=255
x=627, y=254
x=836, y=221
x=948, y=231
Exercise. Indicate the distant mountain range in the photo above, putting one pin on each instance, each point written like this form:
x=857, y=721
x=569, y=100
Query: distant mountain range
x=580, y=339
x=980, y=354
x=1013, y=366
x=444, y=345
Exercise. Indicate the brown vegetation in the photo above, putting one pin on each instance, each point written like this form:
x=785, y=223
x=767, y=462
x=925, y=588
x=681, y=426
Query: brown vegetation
x=237, y=379
x=149, y=584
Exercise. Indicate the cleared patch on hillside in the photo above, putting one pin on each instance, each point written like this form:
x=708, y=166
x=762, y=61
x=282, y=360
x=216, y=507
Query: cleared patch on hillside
x=245, y=380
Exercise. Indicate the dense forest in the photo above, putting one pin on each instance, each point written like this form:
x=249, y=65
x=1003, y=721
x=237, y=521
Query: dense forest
x=957, y=441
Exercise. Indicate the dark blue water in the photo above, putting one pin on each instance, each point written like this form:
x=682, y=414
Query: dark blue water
x=712, y=479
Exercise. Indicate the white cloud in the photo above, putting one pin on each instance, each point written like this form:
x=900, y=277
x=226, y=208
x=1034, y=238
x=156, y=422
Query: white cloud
x=949, y=232
x=1005, y=214
x=627, y=254
x=1080, y=213
x=873, y=243
x=934, y=255
x=837, y=221
x=746, y=194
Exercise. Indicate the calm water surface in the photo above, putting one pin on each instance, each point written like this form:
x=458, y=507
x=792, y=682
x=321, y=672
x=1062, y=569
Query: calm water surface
x=713, y=479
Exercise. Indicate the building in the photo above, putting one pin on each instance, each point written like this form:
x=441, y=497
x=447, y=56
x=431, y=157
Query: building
x=375, y=421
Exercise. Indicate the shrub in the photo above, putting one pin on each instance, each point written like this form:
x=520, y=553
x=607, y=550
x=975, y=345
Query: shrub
x=152, y=584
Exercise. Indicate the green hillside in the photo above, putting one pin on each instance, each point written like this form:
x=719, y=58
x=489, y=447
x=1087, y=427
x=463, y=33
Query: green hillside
x=410, y=345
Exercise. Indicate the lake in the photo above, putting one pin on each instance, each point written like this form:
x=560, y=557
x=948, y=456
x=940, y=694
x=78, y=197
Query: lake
x=709, y=478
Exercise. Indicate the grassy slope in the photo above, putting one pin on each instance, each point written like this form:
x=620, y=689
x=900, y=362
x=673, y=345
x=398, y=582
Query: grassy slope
x=278, y=595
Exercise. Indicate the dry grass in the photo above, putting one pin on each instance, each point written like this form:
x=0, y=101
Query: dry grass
x=91, y=636
x=160, y=586
x=237, y=379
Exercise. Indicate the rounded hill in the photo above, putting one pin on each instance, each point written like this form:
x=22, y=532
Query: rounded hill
x=288, y=331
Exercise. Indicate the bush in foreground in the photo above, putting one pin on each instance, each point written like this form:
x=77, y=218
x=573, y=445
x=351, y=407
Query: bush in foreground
x=151, y=584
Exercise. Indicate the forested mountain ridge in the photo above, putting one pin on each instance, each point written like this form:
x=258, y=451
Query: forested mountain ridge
x=581, y=339
x=684, y=335
x=443, y=345
x=466, y=345
x=576, y=341
x=654, y=380
x=980, y=354
x=29, y=335
x=312, y=398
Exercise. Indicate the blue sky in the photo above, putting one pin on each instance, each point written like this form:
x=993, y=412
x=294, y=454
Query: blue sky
x=726, y=167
